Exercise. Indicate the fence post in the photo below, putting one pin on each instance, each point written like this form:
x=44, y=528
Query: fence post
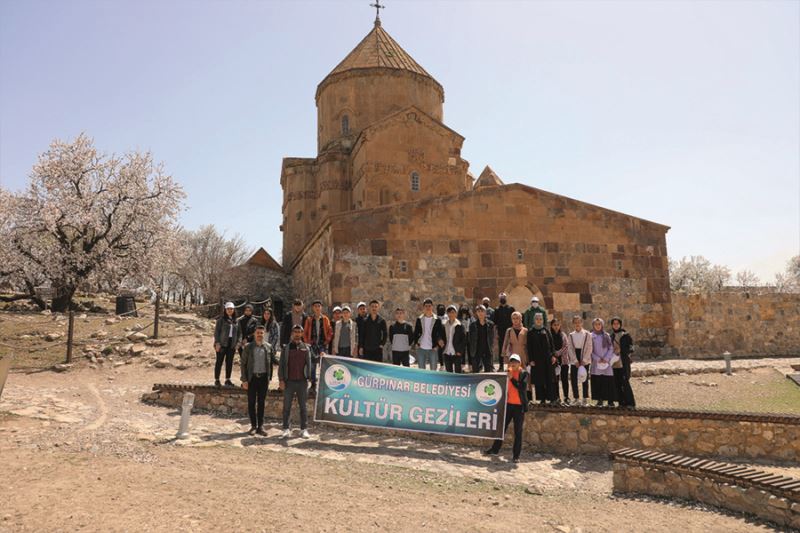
x=70, y=329
x=155, y=320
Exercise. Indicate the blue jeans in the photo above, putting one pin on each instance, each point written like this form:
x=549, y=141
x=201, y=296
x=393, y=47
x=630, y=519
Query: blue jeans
x=425, y=357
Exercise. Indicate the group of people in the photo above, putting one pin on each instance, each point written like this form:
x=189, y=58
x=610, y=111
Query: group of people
x=545, y=362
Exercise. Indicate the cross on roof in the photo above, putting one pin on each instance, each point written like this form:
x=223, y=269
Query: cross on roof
x=377, y=5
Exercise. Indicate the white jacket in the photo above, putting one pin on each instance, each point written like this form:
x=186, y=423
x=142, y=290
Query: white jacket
x=586, y=349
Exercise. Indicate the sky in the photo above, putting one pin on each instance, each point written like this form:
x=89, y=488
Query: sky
x=684, y=113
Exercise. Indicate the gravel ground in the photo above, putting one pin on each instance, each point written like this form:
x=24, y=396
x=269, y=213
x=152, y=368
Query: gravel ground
x=81, y=452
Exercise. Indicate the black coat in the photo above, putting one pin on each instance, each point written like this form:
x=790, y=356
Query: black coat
x=459, y=339
x=540, y=346
x=247, y=328
x=286, y=327
x=502, y=319
x=372, y=334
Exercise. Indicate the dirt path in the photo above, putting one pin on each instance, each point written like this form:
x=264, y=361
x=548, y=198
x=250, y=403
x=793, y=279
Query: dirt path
x=81, y=452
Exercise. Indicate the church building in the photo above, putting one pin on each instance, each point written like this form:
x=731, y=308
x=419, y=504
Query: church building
x=388, y=209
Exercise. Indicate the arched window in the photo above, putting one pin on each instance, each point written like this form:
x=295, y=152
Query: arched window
x=414, y=181
x=345, y=125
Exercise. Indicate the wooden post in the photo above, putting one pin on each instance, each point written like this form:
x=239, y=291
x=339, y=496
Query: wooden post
x=155, y=320
x=70, y=329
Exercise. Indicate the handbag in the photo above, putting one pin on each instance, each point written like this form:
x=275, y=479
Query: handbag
x=582, y=374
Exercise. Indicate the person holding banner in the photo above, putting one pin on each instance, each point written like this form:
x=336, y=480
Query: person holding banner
x=516, y=406
x=258, y=357
x=345, y=335
x=428, y=331
x=454, y=343
x=294, y=373
x=372, y=334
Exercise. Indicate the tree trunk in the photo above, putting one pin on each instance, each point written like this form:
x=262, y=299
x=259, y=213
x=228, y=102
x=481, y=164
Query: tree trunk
x=63, y=300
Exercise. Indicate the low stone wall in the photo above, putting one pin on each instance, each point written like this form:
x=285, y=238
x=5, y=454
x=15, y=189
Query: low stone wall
x=580, y=430
x=738, y=321
x=737, y=488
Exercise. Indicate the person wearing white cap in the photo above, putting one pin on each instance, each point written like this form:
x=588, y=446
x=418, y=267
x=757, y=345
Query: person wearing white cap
x=226, y=338
x=336, y=315
x=486, y=302
x=516, y=406
x=527, y=317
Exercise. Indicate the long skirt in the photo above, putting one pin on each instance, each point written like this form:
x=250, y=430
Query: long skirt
x=604, y=388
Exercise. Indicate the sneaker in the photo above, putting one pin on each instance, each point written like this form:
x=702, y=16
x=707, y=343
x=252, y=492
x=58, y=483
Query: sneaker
x=515, y=460
x=286, y=433
x=490, y=451
x=252, y=431
x=261, y=432
x=228, y=383
x=217, y=384
x=312, y=392
x=305, y=434
x=583, y=402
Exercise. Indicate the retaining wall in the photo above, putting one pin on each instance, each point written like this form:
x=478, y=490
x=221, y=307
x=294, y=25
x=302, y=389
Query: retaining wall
x=578, y=430
x=735, y=487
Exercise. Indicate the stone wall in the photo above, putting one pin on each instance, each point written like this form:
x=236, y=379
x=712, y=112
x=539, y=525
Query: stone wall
x=312, y=272
x=586, y=430
x=741, y=322
x=710, y=484
x=577, y=257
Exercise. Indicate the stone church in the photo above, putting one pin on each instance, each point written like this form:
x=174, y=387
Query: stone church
x=389, y=209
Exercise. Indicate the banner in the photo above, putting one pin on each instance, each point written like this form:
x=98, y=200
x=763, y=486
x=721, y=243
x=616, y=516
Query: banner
x=356, y=392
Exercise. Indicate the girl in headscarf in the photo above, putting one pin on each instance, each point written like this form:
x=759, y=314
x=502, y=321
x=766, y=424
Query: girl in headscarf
x=603, y=388
x=561, y=348
x=623, y=347
x=542, y=359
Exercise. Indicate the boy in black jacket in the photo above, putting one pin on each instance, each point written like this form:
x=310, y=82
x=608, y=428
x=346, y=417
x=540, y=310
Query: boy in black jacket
x=401, y=336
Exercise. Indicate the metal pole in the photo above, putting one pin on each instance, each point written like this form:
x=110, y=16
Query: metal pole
x=155, y=320
x=186, y=412
x=70, y=329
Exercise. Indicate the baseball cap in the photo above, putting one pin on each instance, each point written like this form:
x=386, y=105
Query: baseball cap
x=515, y=357
x=229, y=305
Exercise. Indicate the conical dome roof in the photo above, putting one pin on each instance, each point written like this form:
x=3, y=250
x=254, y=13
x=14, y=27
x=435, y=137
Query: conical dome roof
x=378, y=49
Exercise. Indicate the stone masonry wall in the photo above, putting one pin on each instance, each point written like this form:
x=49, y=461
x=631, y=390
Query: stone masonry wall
x=576, y=430
x=630, y=477
x=741, y=322
x=577, y=257
x=312, y=273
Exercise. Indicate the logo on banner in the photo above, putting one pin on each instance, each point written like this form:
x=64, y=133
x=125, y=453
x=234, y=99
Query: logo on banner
x=337, y=377
x=488, y=392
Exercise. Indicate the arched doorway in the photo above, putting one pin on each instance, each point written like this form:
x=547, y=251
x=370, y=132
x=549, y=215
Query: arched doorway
x=519, y=295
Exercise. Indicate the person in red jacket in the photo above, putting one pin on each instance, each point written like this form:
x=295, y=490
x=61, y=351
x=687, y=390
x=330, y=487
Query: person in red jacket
x=317, y=334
